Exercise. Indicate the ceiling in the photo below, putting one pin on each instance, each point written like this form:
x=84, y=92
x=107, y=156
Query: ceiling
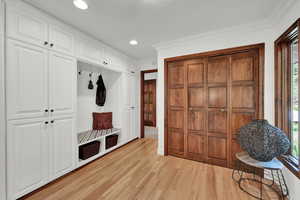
x=115, y=22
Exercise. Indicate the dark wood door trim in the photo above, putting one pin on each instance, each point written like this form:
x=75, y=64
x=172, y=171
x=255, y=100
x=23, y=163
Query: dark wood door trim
x=142, y=99
x=261, y=49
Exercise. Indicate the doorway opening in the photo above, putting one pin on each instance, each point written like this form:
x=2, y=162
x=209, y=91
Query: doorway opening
x=148, y=104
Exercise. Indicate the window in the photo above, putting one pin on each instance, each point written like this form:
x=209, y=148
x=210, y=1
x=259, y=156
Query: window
x=287, y=92
x=294, y=100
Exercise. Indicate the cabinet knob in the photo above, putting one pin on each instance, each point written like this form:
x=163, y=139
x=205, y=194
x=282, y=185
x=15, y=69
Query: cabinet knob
x=46, y=110
x=52, y=121
x=46, y=122
x=45, y=43
x=51, y=45
x=52, y=110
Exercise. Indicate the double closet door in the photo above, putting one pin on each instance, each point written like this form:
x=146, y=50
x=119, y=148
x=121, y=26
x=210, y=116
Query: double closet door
x=209, y=99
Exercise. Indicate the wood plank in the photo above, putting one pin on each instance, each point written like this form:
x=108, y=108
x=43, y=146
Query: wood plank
x=135, y=171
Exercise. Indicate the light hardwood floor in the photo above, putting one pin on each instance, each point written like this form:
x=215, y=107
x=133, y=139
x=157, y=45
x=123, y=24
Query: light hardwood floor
x=135, y=171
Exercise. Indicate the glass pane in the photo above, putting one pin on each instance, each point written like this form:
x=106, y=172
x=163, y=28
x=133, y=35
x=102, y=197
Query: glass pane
x=294, y=99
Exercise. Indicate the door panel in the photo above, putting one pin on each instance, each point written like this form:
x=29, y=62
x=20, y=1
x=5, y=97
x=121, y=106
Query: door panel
x=176, y=97
x=62, y=145
x=196, y=147
x=62, y=84
x=176, y=119
x=196, y=120
x=239, y=119
x=217, y=122
x=176, y=142
x=27, y=80
x=175, y=74
x=196, y=72
x=217, y=148
x=27, y=156
x=242, y=68
x=209, y=99
x=217, y=97
x=244, y=97
x=217, y=69
x=62, y=40
x=27, y=27
x=196, y=97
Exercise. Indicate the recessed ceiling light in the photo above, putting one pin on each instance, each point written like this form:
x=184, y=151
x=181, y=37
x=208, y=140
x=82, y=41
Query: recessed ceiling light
x=133, y=42
x=81, y=4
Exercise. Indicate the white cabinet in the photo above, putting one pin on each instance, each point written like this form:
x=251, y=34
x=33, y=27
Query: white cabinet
x=62, y=75
x=39, y=150
x=37, y=30
x=61, y=40
x=28, y=156
x=27, y=27
x=39, y=82
x=88, y=50
x=27, y=80
x=62, y=145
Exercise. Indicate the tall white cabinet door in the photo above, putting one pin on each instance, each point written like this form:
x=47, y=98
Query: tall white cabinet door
x=62, y=84
x=27, y=156
x=27, y=27
x=27, y=80
x=62, y=145
x=61, y=40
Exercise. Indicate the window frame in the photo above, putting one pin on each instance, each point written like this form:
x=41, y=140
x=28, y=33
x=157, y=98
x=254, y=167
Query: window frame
x=283, y=89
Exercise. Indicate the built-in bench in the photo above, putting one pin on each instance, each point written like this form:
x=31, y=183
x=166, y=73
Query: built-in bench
x=93, y=135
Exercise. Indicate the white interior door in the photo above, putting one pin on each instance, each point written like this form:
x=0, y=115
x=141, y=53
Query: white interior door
x=132, y=105
x=27, y=80
x=62, y=84
x=62, y=145
x=27, y=156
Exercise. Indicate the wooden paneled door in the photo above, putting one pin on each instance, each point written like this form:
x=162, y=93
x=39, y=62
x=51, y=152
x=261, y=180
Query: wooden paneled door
x=150, y=103
x=208, y=99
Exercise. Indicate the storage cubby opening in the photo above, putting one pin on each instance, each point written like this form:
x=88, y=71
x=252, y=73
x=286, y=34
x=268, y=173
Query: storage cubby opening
x=86, y=106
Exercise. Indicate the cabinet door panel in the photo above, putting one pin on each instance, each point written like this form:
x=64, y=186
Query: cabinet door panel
x=27, y=80
x=62, y=40
x=27, y=28
x=62, y=145
x=62, y=83
x=27, y=156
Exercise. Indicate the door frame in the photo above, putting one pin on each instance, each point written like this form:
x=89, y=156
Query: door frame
x=261, y=49
x=3, y=141
x=142, y=99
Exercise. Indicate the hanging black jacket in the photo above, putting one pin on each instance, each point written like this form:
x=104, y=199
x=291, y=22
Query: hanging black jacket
x=101, y=92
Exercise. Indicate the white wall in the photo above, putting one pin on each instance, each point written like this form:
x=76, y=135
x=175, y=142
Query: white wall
x=2, y=107
x=86, y=101
x=263, y=32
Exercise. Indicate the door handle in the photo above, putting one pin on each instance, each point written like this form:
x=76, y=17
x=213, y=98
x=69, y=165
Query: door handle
x=223, y=110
